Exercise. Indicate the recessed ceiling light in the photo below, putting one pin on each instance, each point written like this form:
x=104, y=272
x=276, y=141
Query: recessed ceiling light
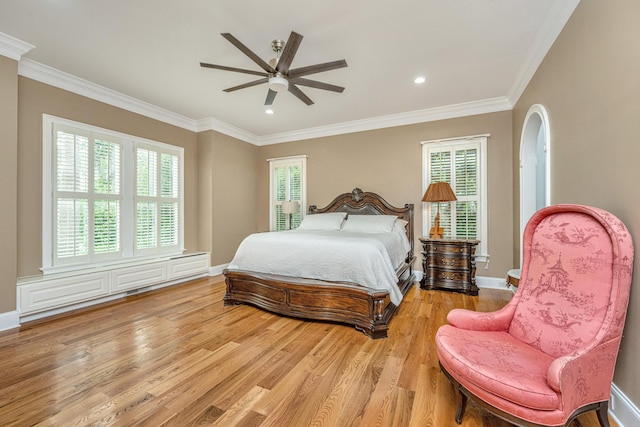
x=268, y=111
x=420, y=80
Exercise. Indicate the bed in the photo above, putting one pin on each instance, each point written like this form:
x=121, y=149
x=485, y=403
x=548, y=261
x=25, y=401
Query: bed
x=308, y=296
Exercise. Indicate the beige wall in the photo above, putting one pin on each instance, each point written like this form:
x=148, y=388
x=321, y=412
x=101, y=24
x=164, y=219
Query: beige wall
x=227, y=187
x=34, y=99
x=590, y=85
x=8, y=177
x=389, y=162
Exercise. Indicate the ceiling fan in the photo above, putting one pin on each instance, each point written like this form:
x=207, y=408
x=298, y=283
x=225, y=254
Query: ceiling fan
x=277, y=72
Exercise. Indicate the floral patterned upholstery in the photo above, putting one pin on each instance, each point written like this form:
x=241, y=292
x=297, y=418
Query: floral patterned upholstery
x=550, y=353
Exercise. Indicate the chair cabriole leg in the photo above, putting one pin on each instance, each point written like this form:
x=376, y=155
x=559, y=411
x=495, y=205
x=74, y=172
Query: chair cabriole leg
x=461, y=404
x=602, y=411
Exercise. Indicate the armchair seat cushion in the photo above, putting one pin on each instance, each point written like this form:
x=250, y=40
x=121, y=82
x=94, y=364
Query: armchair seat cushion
x=499, y=364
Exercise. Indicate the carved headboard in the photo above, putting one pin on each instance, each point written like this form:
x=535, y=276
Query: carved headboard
x=359, y=202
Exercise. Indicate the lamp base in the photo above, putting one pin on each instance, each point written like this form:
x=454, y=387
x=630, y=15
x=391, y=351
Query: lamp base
x=436, y=232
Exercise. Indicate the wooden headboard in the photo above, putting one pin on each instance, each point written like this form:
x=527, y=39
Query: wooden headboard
x=359, y=202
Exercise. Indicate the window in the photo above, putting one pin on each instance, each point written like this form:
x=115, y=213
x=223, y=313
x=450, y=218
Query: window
x=288, y=177
x=107, y=196
x=461, y=163
x=156, y=199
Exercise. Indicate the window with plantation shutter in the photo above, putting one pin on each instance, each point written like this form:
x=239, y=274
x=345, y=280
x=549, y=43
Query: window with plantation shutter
x=288, y=183
x=107, y=196
x=157, y=202
x=461, y=163
x=87, y=195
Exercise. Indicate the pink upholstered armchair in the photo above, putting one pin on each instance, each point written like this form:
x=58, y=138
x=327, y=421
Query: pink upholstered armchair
x=550, y=353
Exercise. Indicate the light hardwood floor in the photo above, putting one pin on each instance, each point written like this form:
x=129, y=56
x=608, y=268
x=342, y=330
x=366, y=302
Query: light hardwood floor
x=178, y=357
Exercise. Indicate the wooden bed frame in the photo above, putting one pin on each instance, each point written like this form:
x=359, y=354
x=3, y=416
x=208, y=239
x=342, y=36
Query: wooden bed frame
x=369, y=310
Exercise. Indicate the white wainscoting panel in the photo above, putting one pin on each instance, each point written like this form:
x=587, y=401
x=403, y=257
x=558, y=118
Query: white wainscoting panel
x=47, y=294
x=51, y=294
x=188, y=266
x=138, y=276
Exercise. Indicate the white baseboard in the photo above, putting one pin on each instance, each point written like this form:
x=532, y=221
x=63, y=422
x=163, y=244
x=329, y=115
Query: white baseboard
x=214, y=270
x=9, y=320
x=418, y=275
x=623, y=411
x=491, y=283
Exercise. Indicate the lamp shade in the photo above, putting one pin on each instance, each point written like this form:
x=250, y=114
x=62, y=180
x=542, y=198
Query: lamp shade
x=439, y=192
x=290, y=207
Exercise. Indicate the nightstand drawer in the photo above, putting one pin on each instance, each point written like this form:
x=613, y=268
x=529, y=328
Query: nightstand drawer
x=449, y=262
x=443, y=248
x=455, y=276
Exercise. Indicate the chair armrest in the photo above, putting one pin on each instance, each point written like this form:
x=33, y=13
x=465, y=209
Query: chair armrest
x=481, y=321
x=584, y=376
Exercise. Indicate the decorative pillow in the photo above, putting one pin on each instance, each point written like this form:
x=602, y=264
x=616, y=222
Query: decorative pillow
x=400, y=225
x=323, y=221
x=370, y=223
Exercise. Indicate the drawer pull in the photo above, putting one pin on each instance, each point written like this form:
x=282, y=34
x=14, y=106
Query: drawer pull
x=436, y=249
x=448, y=276
x=449, y=262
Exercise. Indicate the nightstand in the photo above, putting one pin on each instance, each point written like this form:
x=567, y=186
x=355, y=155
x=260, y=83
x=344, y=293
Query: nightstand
x=449, y=265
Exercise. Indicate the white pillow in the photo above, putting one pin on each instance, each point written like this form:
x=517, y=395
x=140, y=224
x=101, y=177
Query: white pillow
x=323, y=221
x=370, y=223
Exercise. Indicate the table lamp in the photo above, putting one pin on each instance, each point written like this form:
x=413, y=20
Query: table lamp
x=290, y=207
x=438, y=192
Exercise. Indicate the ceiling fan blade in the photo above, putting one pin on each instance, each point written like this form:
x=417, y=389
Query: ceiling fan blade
x=299, y=94
x=290, y=49
x=318, y=68
x=245, y=85
x=237, y=70
x=271, y=95
x=316, y=84
x=255, y=58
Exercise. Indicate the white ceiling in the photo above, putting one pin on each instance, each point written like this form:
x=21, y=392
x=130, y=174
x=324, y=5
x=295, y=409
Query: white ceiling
x=477, y=55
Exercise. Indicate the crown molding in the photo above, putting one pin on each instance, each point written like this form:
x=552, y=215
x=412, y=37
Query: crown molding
x=13, y=48
x=557, y=17
x=51, y=76
x=211, y=123
x=420, y=116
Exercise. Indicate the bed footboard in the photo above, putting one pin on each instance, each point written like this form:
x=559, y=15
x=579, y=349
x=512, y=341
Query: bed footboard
x=369, y=310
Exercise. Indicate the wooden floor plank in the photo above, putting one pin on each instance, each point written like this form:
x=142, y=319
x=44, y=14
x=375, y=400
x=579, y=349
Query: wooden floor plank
x=179, y=357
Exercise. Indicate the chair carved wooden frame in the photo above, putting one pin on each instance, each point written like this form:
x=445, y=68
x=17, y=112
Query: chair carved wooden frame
x=549, y=355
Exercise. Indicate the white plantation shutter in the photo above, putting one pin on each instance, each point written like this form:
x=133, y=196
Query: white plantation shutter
x=72, y=228
x=107, y=196
x=440, y=171
x=466, y=164
x=461, y=163
x=157, y=200
x=288, y=182
x=86, y=196
x=169, y=213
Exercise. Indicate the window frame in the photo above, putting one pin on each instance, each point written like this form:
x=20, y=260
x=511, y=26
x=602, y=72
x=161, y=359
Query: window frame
x=287, y=161
x=480, y=141
x=127, y=227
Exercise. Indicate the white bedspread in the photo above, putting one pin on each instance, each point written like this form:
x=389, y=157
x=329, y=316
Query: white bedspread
x=367, y=259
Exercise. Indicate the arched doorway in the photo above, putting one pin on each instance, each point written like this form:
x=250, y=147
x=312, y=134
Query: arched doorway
x=535, y=165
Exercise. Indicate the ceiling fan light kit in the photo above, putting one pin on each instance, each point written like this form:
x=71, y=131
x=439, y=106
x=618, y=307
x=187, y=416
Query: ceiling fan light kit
x=276, y=72
x=278, y=83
